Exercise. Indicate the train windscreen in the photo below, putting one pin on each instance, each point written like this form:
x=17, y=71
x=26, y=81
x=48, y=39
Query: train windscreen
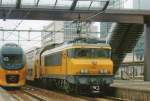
x=89, y=53
x=12, y=61
x=12, y=58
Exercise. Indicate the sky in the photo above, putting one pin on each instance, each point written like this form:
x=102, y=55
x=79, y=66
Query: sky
x=35, y=37
x=25, y=25
x=28, y=25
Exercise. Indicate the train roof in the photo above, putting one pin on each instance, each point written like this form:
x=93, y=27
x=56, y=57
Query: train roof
x=11, y=48
x=10, y=45
x=76, y=45
x=32, y=50
x=87, y=40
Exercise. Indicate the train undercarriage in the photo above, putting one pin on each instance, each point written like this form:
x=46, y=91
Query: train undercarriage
x=77, y=84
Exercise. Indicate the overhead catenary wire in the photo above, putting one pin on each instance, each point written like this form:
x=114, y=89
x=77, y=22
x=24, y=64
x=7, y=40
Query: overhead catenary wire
x=98, y=13
x=18, y=6
x=80, y=19
x=86, y=19
x=103, y=10
x=18, y=24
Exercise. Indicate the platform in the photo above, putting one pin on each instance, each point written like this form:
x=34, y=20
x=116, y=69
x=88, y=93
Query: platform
x=132, y=90
x=132, y=84
x=4, y=96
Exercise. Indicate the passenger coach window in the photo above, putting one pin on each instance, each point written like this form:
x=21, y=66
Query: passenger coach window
x=53, y=59
x=71, y=53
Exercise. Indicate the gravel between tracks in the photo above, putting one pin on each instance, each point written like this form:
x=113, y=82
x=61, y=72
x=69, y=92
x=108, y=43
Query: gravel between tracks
x=30, y=93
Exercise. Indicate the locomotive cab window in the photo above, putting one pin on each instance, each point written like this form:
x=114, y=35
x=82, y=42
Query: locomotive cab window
x=89, y=53
x=53, y=59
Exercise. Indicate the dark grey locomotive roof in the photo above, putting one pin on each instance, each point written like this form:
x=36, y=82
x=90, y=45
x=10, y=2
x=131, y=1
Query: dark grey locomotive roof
x=11, y=48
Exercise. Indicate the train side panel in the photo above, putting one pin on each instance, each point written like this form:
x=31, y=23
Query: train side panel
x=58, y=68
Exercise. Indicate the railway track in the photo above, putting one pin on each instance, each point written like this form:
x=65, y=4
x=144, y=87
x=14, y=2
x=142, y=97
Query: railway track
x=61, y=96
x=104, y=98
x=30, y=93
x=23, y=95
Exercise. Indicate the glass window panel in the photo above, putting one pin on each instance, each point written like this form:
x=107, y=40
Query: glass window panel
x=95, y=4
x=83, y=4
x=8, y=2
x=65, y=4
x=98, y=5
x=47, y=2
x=28, y=2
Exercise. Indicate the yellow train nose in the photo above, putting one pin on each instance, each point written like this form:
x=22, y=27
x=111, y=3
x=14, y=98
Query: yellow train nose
x=94, y=62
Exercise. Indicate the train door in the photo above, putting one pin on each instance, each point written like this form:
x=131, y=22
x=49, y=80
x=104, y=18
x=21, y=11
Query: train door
x=64, y=62
x=38, y=60
x=38, y=71
x=42, y=65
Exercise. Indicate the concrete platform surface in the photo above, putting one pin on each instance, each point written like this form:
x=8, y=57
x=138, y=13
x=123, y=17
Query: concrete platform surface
x=132, y=84
x=132, y=90
x=5, y=96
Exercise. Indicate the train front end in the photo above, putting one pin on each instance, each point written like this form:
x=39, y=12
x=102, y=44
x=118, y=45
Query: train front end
x=13, y=68
x=90, y=67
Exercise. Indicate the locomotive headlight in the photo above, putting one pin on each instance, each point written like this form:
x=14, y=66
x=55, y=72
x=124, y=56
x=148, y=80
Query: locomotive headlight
x=86, y=71
x=103, y=71
x=83, y=71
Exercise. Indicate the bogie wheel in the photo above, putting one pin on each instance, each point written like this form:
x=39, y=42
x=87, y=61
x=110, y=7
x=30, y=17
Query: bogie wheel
x=68, y=88
x=44, y=83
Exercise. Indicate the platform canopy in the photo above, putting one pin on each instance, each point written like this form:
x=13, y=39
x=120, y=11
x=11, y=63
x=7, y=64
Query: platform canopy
x=68, y=10
x=57, y=4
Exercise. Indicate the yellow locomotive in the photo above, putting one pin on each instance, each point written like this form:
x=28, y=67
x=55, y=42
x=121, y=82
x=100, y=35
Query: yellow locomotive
x=75, y=66
x=13, y=68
